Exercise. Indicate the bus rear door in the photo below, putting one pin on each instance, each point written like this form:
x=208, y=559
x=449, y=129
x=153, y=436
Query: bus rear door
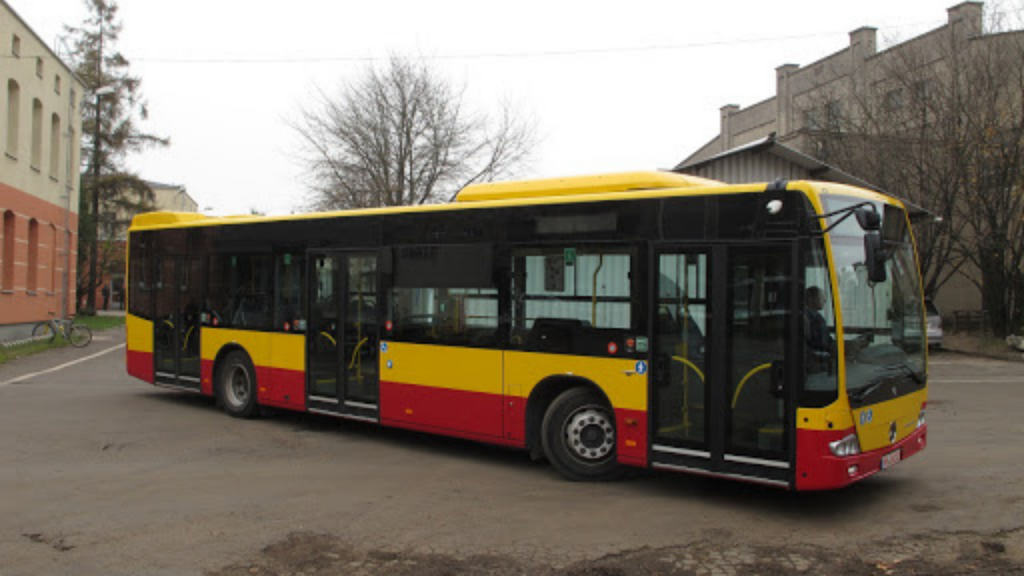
x=176, y=324
x=342, y=338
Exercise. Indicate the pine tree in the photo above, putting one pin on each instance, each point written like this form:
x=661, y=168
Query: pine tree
x=111, y=114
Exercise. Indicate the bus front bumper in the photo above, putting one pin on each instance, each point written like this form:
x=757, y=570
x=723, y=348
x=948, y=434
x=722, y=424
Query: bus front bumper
x=819, y=469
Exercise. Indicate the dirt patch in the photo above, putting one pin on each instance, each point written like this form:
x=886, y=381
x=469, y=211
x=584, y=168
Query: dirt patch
x=305, y=554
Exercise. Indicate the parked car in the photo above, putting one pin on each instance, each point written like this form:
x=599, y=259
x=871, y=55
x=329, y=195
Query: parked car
x=934, y=324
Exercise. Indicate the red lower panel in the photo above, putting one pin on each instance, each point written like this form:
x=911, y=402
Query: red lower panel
x=206, y=376
x=447, y=411
x=631, y=444
x=515, y=420
x=140, y=365
x=818, y=469
x=277, y=387
x=282, y=388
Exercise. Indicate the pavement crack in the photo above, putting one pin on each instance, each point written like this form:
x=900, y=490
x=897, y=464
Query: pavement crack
x=57, y=543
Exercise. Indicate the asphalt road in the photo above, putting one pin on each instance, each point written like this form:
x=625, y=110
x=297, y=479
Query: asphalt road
x=103, y=474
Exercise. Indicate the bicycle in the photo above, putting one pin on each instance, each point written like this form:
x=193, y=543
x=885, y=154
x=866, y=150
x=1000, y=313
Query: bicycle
x=79, y=335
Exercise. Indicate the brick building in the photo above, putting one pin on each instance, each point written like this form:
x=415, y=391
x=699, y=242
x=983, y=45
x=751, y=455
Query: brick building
x=40, y=128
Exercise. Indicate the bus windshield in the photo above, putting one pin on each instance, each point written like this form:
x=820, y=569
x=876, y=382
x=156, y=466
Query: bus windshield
x=882, y=321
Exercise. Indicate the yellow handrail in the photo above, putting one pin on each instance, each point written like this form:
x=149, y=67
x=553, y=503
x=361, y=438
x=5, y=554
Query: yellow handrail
x=593, y=293
x=686, y=389
x=691, y=365
x=356, y=352
x=184, y=346
x=743, y=382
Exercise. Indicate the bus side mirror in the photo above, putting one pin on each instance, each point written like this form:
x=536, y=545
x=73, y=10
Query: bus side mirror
x=874, y=257
x=869, y=219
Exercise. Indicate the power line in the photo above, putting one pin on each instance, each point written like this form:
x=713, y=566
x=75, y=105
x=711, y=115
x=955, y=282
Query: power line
x=506, y=55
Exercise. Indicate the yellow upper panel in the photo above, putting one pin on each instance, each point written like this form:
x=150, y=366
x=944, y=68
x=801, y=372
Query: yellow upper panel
x=140, y=334
x=150, y=219
x=454, y=368
x=617, y=377
x=580, y=185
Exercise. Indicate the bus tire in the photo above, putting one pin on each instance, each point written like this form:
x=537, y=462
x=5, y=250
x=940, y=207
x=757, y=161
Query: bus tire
x=578, y=434
x=236, y=386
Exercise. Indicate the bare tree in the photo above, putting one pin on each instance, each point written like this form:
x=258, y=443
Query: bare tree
x=941, y=123
x=401, y=135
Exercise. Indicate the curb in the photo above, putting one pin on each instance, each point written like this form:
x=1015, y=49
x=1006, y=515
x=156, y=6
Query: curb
x=1009, y=356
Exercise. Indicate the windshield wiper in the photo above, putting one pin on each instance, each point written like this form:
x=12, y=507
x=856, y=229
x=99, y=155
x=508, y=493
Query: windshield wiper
x=915, y=376
x=860, y=393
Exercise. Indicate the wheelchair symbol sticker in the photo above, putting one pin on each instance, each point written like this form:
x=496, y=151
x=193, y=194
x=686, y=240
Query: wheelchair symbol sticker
x=641, y=367
x=383, y=346
x=866, y=417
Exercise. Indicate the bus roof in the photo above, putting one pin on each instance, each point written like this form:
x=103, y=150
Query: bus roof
x=606, y=187
x=599, y=184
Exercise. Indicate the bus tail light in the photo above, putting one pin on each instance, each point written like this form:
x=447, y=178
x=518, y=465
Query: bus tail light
x=848, y=446
x=920, y=418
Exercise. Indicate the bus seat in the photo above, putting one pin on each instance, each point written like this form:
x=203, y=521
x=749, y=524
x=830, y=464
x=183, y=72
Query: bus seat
x=553, y=335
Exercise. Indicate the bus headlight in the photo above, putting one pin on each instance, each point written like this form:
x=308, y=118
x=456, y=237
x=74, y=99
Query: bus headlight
x=920, y=418
x=848, y=446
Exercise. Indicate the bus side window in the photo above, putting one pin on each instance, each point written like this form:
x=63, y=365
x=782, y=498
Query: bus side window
x=445, y=295
x=240, y=291
x=290, y=291
x=569, y=300
x=820, y=386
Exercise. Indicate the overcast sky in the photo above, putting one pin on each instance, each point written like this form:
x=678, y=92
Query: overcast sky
x=612, y=86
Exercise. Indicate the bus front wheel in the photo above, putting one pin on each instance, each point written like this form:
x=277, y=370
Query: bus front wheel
x=237, y=386
x=578, y=434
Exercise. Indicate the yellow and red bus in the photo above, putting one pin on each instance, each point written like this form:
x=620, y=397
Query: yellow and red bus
x=770, y=333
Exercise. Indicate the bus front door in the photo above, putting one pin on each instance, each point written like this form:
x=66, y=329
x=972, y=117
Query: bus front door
x=177, y=322
x=723, y=335
x=342, y=337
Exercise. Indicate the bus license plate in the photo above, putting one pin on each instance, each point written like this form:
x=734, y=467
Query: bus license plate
x=891, y=459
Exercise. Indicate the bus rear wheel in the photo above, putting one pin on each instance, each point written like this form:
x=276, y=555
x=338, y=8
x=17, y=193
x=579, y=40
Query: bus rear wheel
x=236, y=386
x=578, y=434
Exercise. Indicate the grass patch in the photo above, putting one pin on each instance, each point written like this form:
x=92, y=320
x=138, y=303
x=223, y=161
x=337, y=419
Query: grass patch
x=96, y=323
x=13, y=352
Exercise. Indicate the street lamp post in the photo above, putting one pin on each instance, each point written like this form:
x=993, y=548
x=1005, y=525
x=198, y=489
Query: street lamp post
x=95, y=248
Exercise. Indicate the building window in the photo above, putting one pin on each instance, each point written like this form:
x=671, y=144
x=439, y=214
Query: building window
x=37, y=133
x=33, y=255
x=834, y=116
x=54, y=242
x=16, y=46
x=894, y=100
x=39, y=67
x=8, y=251
x=811, y=119
x=55, y=146
x=923, y=90
x=56, y=83
x=13, y=115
